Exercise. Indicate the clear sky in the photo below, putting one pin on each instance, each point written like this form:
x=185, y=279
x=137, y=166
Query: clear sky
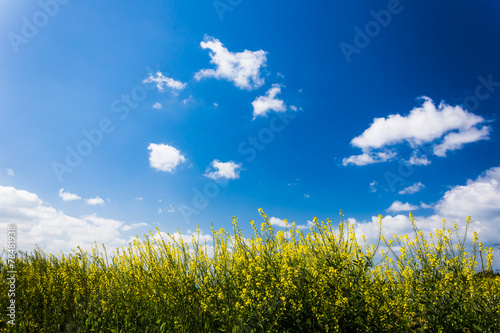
x=120, y=117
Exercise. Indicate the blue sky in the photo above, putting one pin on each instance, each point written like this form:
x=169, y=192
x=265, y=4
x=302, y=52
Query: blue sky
x=117, y=118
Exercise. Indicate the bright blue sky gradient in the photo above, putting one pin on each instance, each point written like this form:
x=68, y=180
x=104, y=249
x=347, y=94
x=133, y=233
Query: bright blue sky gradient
x=67, y=77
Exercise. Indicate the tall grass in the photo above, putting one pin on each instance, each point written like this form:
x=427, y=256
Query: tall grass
x=319, y=281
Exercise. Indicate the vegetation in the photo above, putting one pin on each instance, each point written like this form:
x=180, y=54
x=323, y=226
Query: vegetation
x=319, y=281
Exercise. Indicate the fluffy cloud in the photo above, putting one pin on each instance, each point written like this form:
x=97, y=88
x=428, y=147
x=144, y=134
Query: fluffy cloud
x=94, y=201
x=51, y=229
x=164, y=157
x=263, y=104
x=447, y=127
x=223, y=170
x=479, y=198
x=243, y=68
x=412, y=189
x=162, y=81
x=373, y=186
x=66, y=196
x=157, y=106
x=398, y=206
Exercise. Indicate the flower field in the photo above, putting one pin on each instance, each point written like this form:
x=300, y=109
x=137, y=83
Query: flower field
x=321, y=280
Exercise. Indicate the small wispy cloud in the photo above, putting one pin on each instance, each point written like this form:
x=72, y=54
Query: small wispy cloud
x=95, y=201
x=285, y=224
x=187, y=100
x=157, y=106
x=163, y=81
x=133, y=226
x=66, y=196
x=413, y=188
x=10, y=172
x=398, y=206
x=426, y=206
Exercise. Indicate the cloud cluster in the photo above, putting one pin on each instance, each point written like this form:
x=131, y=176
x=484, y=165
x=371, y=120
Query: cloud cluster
x=479, y=199
x=446, y=127
x=242, y=68
x=51, y=229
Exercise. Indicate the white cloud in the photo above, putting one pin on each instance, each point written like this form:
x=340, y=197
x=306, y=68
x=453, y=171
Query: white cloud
x=172, y=209
x=158, y=106
x=398, y=206
x=263, y=104
x=413, y=188
x=66, y=196
x=223, y=170
x=51, y=229
x=10, y=172
x=447, y=127
x=139, y=199
x=94, y=201
x=373, y=186
x=162, y=81
x=164, y=157
x=243, y=68
x=133, y=226
x=216, y=105
x=307, y=196
x=369, y=158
